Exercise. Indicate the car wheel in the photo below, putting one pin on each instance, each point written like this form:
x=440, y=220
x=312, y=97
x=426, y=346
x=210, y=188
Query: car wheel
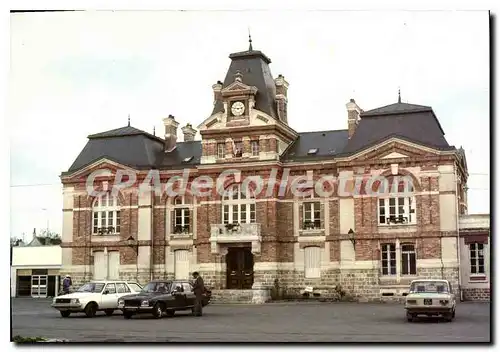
x=65, y=313
x=410, y=317
x=109, y=312
x=127, y=315
x=170, y=313
x=157, y=310
x=448, y=317
x=90, y=309
x=453, y=313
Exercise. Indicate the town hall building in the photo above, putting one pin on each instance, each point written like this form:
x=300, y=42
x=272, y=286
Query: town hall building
x=244, y=243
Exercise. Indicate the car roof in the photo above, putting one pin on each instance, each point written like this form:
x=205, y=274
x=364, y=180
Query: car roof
x=430, y=280
x=112, y=282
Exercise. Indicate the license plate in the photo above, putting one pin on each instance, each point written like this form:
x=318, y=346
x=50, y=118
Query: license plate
x=427, y=302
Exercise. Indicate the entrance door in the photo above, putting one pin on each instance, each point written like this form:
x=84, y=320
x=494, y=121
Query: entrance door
x=181, y=264
x=39, y=286
x=239, y=264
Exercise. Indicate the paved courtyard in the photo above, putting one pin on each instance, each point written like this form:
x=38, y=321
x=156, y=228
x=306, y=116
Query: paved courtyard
x=274, y=322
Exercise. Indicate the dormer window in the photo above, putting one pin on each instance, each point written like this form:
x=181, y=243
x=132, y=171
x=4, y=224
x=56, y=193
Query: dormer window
x=312, y=151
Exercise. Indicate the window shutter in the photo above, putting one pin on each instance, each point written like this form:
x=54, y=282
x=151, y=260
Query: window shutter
x=172, y=221
x=191, y=223
x=301, y=216
x=322, y=215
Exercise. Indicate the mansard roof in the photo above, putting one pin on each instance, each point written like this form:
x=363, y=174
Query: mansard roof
x=254, y=67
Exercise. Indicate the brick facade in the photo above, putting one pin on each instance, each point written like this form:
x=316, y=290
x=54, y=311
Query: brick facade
x=345, y=242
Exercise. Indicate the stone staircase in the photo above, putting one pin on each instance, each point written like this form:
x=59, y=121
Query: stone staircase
x=232, y=296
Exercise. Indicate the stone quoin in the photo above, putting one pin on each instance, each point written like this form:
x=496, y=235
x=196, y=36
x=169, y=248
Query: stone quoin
x=125, y=216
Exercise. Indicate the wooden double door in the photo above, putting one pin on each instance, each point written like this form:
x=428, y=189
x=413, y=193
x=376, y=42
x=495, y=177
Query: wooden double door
x=239, y=268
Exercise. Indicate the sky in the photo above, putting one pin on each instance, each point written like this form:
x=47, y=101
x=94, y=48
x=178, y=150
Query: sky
x=75, y=74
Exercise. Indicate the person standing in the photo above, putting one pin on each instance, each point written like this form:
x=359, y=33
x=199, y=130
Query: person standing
x=66, y=284
x=199, y=290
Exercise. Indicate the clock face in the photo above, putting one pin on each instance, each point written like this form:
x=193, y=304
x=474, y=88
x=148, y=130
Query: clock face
x=238, y=108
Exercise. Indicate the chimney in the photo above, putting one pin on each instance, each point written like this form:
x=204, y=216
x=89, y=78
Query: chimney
x=217, y=88
x=170, y=133
x=281, y=97
x=189, y=133
x=353, y=112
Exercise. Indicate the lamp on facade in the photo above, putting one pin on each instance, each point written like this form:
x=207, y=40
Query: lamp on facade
x=132, y=243
x=351, y=237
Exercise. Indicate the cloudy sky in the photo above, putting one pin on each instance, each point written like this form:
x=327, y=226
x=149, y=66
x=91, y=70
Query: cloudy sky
x=74, y=74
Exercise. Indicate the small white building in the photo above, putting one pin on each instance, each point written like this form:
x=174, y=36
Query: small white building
x=475, y=256
x=35, y=270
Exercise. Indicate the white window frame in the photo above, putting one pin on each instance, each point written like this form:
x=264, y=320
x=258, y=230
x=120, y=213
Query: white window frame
x=106, y=213
x=408, y=254
x=254, y=145
x=242, y=205
x=221, y=150
x=397, y=257
x=474, y=260
x=179, y=204
x=309, y=214
x=391, y=256
x=401, y=206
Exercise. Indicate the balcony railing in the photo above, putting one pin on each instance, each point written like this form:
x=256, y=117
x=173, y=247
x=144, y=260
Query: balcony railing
x=223, y=234
x=109, y=230
x=181, y=230
x=251, y=229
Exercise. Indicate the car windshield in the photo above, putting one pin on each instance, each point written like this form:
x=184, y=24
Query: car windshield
x=429, y=287
x=94, y=287
x=156, y=287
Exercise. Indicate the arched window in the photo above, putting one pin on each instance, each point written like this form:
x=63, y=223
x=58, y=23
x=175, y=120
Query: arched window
x=238, y=206
x=396, y=205
x=106, y=215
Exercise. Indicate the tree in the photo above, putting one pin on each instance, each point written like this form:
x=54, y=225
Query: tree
x=50, y=237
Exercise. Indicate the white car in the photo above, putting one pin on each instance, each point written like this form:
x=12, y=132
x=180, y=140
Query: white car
x=430, y=297
x=95, y=296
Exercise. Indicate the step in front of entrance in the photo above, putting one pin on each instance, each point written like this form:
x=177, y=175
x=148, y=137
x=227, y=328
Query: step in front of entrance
x=232, y=296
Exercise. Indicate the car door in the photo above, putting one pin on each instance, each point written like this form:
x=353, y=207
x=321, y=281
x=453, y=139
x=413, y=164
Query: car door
x=179, y=295
x=109, y=299
x=122, y=290
x=188, y=290
x=134, y=287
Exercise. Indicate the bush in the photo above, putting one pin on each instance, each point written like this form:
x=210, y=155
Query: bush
x=22, y=339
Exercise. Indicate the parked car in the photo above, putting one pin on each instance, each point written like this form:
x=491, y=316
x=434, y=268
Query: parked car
x=430, y=298
x=95, y=296
x=161, y=297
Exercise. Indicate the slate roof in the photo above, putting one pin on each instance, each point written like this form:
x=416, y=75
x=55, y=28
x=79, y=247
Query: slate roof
x=327, y=145
x=254, y=66
x=135, y=148
x=414, y=123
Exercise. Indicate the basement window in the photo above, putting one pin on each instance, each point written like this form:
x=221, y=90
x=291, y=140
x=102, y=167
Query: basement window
x=188, y=159
x=312, y=151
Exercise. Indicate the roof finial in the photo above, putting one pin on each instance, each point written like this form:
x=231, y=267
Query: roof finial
x=154, y=131
x=249, y=40
x=129, y=120
x=399, y=96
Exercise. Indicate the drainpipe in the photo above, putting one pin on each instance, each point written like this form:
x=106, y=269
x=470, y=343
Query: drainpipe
x=458, y=234
x=151, y=256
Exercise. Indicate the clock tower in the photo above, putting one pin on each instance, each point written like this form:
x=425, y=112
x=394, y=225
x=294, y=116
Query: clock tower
x=248, y=121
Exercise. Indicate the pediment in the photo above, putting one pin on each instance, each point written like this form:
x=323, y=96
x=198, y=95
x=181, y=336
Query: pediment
x=236, y=86
x=102, y=168
x=394, y=155
x=394, y=149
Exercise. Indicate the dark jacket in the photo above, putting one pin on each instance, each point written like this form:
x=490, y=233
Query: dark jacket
x=198, y=287
x=66, y=283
